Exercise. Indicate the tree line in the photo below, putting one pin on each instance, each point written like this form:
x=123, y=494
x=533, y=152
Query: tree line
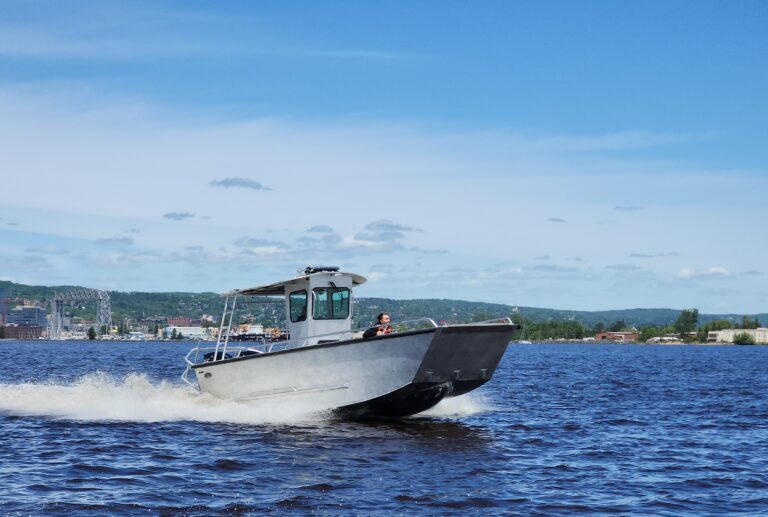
x=686, y=327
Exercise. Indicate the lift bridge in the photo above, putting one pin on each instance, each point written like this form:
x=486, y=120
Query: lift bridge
x=103, y=308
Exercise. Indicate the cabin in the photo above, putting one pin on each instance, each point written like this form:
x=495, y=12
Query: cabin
x=318, y=303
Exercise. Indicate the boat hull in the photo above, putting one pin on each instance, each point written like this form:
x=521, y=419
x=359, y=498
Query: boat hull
x=387, y=376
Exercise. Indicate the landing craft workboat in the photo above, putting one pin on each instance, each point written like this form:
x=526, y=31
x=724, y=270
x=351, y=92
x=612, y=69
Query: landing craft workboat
x=331, y=366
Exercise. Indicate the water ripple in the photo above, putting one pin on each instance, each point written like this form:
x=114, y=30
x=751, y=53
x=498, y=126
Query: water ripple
x=560, y=430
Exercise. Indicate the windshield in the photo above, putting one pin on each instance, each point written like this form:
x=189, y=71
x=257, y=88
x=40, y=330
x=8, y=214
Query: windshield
x=330, y=303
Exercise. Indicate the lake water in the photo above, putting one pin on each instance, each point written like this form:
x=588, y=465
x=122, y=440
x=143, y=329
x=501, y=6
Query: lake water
x=93, y=428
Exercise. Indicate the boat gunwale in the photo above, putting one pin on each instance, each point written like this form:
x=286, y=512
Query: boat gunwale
x=319, y=345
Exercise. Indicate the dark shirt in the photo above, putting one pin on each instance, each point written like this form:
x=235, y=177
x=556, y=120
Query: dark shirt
x=371, y=332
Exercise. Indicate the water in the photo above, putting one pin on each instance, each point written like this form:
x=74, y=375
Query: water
x=107, y=428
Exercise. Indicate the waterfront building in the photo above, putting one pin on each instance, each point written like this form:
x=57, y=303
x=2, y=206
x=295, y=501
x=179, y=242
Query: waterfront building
x=760, y=335
x=186, y=332
x=617, y=337
x=23, y=331
x=247, y=328
x=26, y=316
x=179, y=321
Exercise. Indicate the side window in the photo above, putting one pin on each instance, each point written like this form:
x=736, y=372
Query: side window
x=298, y=305
x=320, y=304
x=330, y=303
x=340, y=303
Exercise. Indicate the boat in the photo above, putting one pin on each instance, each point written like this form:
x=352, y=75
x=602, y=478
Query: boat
x=329, y=365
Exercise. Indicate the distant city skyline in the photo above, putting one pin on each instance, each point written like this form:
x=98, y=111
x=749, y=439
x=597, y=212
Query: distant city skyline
x=584, y=156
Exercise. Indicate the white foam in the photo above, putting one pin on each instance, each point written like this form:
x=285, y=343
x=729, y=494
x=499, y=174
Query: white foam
x=463, y=405
x=98, y=396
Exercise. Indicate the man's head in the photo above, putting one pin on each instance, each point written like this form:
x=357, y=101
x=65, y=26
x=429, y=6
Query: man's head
x=384, y=318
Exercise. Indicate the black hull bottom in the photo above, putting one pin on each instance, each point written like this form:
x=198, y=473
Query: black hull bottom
x=408, y=400
x=462, y=387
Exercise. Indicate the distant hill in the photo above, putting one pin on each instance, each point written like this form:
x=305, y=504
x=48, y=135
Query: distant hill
x=457, y=310
x=140, y=305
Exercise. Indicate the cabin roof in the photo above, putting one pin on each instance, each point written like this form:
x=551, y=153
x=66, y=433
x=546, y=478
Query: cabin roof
x=279, y=288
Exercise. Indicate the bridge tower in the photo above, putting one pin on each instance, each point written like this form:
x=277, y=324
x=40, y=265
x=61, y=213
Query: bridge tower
x=103, y=308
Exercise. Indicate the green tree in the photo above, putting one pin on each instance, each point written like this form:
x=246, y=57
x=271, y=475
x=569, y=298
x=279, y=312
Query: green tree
x=749, y=323
x=618, y=326
x=2, y=331
x=648, y=332
x=743, y=339
x=91, y=334
x=687, y=321
x=174, y=334
x=713, y=326
x=179, y=336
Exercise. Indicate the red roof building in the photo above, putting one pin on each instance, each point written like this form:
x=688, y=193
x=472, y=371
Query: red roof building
x=617, y=337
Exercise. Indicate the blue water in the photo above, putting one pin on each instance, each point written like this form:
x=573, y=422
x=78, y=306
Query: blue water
x=107, y=428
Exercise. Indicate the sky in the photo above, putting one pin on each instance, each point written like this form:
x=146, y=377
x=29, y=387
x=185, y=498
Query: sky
x=574, y=155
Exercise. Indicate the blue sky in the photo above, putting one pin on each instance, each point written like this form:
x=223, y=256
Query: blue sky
x=583, y=155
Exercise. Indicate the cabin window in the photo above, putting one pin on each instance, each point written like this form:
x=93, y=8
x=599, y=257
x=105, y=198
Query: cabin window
x=298, y=305
x=330, y=303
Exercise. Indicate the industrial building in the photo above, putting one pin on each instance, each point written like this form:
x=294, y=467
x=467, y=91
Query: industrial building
x=617, y=337
x=24, y=332
x=186, y=332
x=28, y=316
x=179, y=321
x=726, y=336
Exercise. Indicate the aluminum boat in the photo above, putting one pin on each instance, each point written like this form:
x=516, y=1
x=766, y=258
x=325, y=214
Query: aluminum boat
x=330, y=366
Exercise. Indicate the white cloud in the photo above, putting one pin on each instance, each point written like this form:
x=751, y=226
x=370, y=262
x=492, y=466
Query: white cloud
x=178, y=216
x=120, y=240
x=383, y=231
x=47, y=250
x=147, y=32
x=482, y=197
x=623, y=267
x=654, y=255
x=256, y=246
x=320, y=228
x=716, y=271
x=239, y=183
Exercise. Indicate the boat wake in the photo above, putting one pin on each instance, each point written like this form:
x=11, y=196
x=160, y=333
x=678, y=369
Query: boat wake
x=135, y=398
x=461, y=406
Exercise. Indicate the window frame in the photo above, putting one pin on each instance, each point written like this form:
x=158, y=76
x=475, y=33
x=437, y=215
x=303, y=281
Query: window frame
x=290, y=305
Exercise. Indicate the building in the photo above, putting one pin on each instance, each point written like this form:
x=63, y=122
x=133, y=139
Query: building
x=179, y=321
x=617, y=337
x=186, y=332
x=23, y=331
x=726, y=336
x=26, y=316
x=3, y=305
x=247, y=328
x=669, y=339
